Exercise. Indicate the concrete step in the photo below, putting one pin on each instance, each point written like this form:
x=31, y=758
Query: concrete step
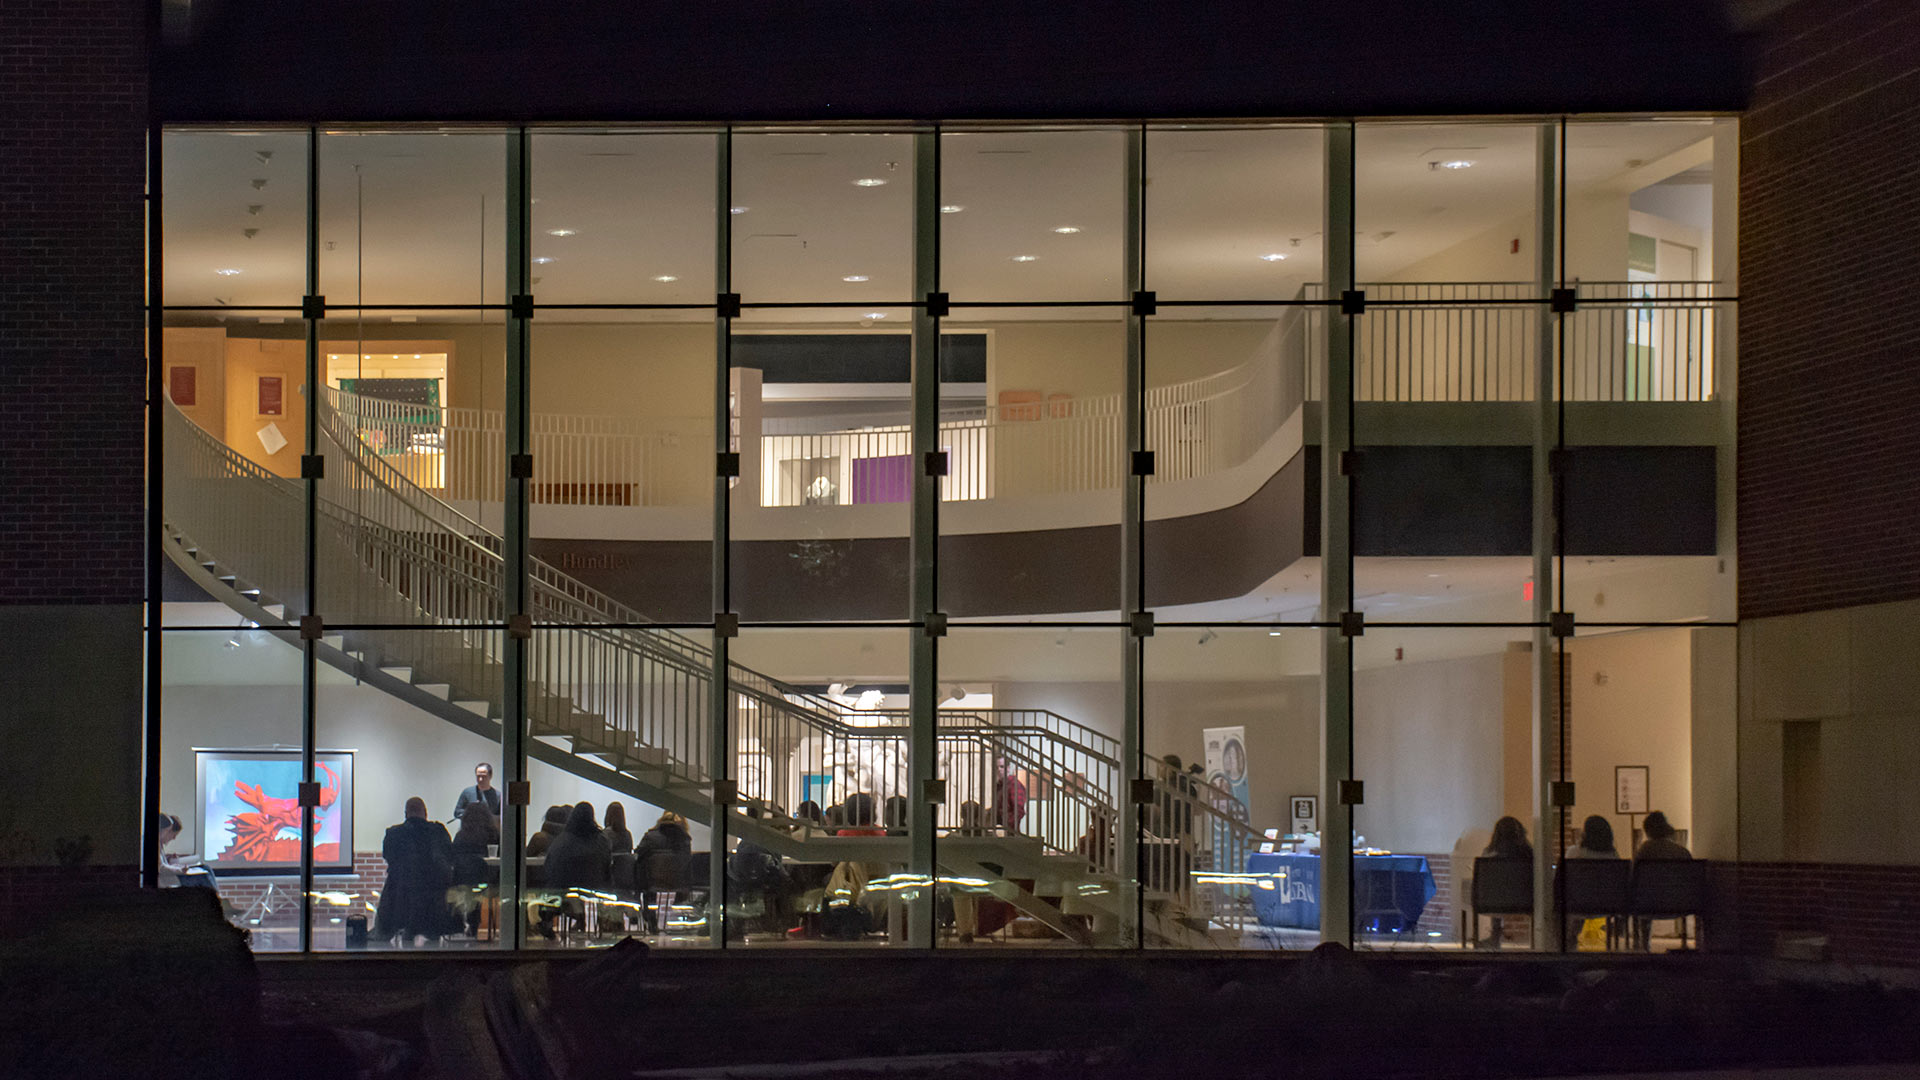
x=443, y=691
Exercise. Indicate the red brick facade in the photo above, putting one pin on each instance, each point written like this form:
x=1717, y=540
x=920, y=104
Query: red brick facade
x=1869, y=915
x=72, y=254
x=1829, y=316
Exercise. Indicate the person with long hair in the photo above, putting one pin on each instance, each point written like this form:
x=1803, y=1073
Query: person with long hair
x=619, y=840
x=1509, y=841
x=1596, y=840
x=660, y=862
x=577, y=859
x=479, y=831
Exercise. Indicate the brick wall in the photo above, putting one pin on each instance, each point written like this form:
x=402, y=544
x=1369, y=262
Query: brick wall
x=1830, y=312
x=72, y=240
x=28, y=893
x=1869, y=914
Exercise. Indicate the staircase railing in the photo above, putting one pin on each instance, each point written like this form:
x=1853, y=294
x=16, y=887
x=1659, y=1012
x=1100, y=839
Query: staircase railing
x=636, y=695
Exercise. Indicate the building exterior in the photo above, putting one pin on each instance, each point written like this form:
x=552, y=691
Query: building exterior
x=943, y=458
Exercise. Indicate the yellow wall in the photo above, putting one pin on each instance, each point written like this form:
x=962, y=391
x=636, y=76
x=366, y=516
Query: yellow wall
x=205, y=350
x=247, y=360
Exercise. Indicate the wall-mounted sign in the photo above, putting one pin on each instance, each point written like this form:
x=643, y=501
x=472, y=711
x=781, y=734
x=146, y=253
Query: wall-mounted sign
x=1631, y=789
x=183, y=385
x=1305, y=813
x=273, y=396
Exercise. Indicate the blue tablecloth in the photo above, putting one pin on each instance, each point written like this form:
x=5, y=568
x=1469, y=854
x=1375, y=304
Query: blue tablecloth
x=1389, y=891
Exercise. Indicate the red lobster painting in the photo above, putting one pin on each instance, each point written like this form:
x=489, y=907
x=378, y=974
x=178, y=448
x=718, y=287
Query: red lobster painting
x=256, y=835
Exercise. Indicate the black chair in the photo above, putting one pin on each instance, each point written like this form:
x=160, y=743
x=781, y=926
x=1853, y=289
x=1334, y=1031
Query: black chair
x=1598, y=888
x=1500, y=887
x=1667, y=889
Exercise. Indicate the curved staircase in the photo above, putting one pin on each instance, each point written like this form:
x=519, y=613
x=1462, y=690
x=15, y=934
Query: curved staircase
x=419, y=589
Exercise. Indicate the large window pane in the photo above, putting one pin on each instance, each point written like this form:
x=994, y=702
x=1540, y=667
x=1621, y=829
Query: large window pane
x=624, y=218
x=230, y=770
x=1030, y=726
x=234, y=509
x=1444, y=203
x=1226, y=505
x=412, y=218
x=1031, y=420
x=1234, y=214
x=820, y=719
x=235, y=206
x=400, y=715
x=412, y=431
x=1646, y=502
x=622, y=441
x=1231, y=727
x=822, y=217
x=1443, y=736
x=1028, y=216
x=619, y=718
x=821, y=417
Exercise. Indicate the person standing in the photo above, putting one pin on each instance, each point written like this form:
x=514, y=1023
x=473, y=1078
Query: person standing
x=481, y=791
x=413, y=902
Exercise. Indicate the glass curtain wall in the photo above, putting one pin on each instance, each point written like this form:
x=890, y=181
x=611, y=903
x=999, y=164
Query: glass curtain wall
x=1169, y=537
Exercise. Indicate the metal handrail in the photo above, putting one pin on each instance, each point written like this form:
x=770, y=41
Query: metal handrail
x=398, y=555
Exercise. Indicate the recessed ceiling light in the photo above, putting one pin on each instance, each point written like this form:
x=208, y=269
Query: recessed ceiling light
x=1456, y=163
x=226, y=271
x=854, y=277
x=1272, y=256
x=1067, y=230
x=1025, y=258
x=869, y=181
x=559, y=232
x=951, y=208
x=736, y=209
x=874, y=315
x=1273, y=633
x=665, y=277
x=542, y=260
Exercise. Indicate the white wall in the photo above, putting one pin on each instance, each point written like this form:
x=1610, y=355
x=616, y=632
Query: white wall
x=221, y=697
x=1428, y=742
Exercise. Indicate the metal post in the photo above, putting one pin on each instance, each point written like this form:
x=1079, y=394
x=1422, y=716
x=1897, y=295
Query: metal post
x=309, y=668
x=1336, y=548
x=924, y=536
x=719, y=696
x=1546, y=435
x=1132, y=591
x=156, y=517
x=514, y=724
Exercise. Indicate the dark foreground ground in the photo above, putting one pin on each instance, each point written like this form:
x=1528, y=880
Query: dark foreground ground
x=158, y=986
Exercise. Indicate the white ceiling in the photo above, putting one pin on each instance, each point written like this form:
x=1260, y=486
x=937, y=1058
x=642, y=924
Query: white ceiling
x=418, y=218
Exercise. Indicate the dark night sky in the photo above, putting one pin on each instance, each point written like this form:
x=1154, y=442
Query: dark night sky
x=349, y=60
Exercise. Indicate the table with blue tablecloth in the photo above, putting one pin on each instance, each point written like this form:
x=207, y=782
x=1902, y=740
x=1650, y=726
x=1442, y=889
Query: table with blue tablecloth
x=1389, y=891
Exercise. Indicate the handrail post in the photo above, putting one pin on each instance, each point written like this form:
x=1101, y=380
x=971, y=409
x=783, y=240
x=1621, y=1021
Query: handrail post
x=515, y=650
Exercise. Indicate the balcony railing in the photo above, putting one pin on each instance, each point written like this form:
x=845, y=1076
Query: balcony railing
x=1626, y=341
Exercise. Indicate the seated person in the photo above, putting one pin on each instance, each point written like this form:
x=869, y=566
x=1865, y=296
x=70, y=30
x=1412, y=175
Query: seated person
x=479, y=830
x=413, y=902
x=660, y=864
x=1509, y=842
x=1660, y=843
x=576, y=859
x=175, y=870
x=1596, y=840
